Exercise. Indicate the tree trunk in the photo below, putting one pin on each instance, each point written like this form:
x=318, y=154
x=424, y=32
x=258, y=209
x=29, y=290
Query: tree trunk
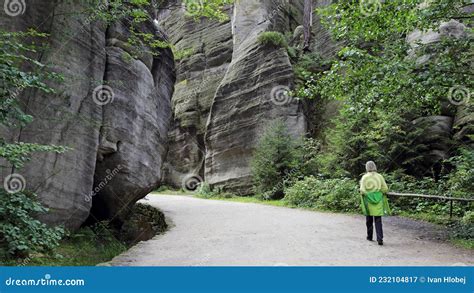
x=307, y=23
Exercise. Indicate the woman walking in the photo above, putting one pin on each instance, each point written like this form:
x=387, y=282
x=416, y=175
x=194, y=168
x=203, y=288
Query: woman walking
x=374, y=201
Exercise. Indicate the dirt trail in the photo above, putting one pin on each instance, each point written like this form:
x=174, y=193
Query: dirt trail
x=219, y=233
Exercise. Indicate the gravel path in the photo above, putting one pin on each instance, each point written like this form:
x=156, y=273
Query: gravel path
x=220, y=233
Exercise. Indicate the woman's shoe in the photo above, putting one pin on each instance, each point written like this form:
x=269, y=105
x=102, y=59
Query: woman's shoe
x=369, y=238
x=380, y=242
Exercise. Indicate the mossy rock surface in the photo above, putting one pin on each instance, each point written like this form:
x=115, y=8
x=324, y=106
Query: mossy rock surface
x=143, y=223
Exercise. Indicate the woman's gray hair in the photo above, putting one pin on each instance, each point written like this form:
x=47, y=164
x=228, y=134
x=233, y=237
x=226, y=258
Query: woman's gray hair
x=370, y=166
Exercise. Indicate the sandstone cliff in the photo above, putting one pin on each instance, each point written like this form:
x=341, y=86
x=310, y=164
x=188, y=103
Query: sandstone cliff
x=228, y=91
x=112, y=110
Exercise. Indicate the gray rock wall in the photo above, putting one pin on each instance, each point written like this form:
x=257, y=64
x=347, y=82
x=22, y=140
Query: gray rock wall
x=199, y=73
x=223, y=97
x=117, y=140
x=249, y=96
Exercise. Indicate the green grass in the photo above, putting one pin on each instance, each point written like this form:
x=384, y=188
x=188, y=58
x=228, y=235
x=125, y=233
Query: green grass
x=427, y=217
x=463, y=243
x=83, y=248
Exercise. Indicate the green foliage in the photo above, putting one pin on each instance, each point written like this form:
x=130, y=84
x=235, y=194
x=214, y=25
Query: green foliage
x=464, y=229
x=303, y=193
x=468, y=218
x=136, y=13
x=204, y=190
x=389, y=138
x=15, y=49
x=382, y=84
x=182, y=54
x=307, y=152
x=340, y=195
x=307, y=71
x=212, y=9
x=89, y=246
x=18, y=154
x=409, y=184
x=20, y=233
x=275, y=39
x=275, y=157
x=461, y=180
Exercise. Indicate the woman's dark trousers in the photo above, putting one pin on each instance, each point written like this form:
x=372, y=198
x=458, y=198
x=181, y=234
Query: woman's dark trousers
x=378, y=227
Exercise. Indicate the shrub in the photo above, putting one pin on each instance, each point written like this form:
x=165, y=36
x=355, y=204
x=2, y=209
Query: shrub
x=461, y=180
x=464, y=229
x=276, y=39
x=332, y=194
x=468, y=218
x=274, y=158
x=303, y=193
x=204, y=190
x=409, y=184
x=341, y=195
x=20, y=233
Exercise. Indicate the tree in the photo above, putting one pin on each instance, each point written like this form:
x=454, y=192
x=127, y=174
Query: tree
x=274, y=158
x=307, y=23
x=383, y=83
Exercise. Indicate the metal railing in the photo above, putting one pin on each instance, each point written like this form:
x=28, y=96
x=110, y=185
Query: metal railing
x=437, y=197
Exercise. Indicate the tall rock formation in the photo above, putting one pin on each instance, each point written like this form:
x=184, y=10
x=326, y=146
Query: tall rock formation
x=222, y=104
x=112, y=110
x=248, y=97
x=207, y=48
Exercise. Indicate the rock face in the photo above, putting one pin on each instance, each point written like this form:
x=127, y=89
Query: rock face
x=457, y=123
x=117, y=133
x=248, y=97
x=221, y=105
x=207, y=45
